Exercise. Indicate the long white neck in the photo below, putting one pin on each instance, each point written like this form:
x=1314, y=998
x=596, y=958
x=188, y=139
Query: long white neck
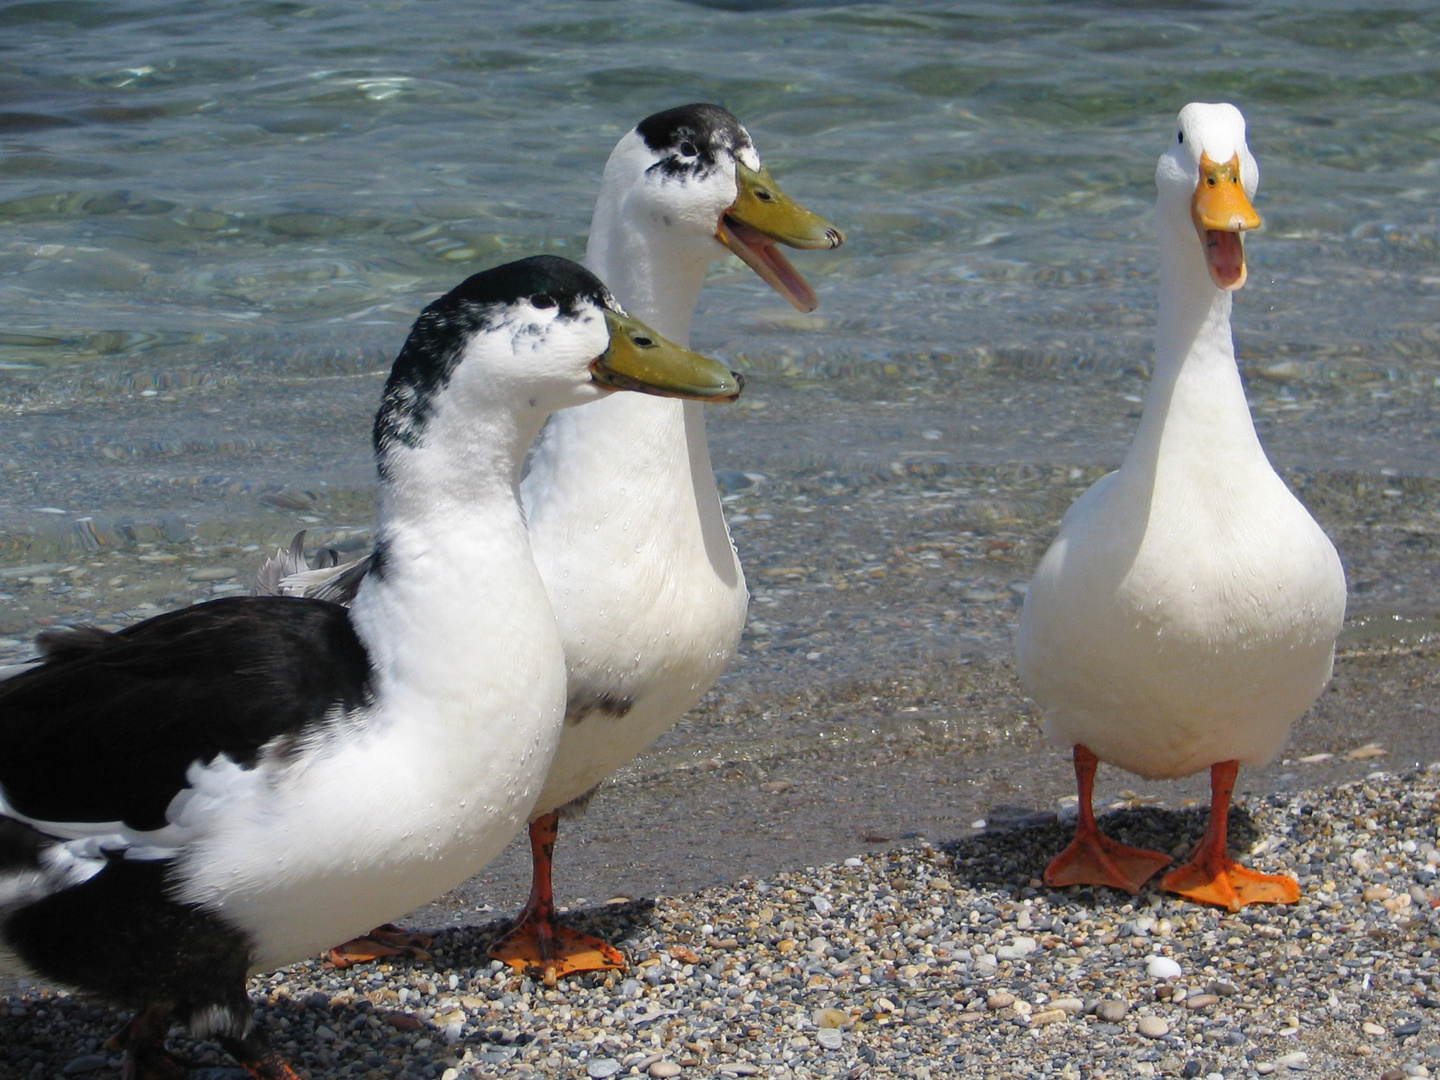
x=655, y=276
x=451, y=534
x=1196, y=416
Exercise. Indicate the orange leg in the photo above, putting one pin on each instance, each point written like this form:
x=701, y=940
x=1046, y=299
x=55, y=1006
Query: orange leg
x=379, y=944
x=1092, y=857
x=538, y=945
x=1211, y=876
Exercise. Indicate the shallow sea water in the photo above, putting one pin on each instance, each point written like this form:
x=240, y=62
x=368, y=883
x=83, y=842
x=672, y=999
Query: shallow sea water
x=217, y=223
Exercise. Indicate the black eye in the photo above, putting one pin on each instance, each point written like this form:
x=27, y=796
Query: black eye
x=763, y=195
x=689, y=149
x=1180, y=136
x=642, y=342
x=543, y=301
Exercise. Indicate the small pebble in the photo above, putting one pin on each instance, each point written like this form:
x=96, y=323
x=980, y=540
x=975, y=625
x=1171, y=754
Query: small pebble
x=88, y=1063
x=830, y=1038
x=1161, y=967
x=1152, y=1027
x=1112, y=1011
x=602, y=1067
x=661, y=1070
x=214, y=573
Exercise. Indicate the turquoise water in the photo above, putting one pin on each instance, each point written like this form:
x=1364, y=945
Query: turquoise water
x=217, y=222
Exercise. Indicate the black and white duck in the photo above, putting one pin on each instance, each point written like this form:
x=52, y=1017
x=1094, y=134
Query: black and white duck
x=229, y=787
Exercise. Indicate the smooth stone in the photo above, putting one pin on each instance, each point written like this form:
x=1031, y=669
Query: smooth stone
x=1002, y=1000
x=1152, y=1027
x=1112, y=1011
x=830, y=1038
x=830, y=1018
x=1048, y=1016
x=88, y=1063
x=602, y=1067
x=1201, y=1001
x=1161, y=967
x=213, y=573
x=663, y=1069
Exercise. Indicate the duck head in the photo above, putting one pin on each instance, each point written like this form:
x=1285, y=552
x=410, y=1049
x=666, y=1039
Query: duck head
x=1208, y=178
x=691, y=178
x=536, y=335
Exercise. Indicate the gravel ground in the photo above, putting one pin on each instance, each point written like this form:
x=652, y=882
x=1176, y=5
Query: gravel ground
x=920, y=961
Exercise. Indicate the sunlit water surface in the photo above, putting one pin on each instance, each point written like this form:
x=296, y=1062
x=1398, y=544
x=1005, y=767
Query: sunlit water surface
x=217, y=222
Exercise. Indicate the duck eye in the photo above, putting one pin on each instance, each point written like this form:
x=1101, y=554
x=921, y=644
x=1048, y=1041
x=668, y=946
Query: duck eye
x=640, y=341
x=763, y=195
x=543, y=301
x=689, y=149
x=1180, y=136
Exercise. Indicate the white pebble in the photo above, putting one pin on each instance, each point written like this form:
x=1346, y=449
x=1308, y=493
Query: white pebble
x=830, y=1038
x=1161, y=967
x=602, y=1067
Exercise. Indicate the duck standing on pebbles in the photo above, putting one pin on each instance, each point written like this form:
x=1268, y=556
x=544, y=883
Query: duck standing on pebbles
x=1186, y=614
x=221, y=789
x=646, y=584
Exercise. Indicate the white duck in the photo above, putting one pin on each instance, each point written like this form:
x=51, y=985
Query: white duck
x=221, y=789
x=1186, y=614
x=638, y=561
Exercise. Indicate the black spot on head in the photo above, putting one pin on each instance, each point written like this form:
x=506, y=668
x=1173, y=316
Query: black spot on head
x=693, y=139
x=437, y=340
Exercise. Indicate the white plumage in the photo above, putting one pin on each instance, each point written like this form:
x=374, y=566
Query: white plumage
x=1186, y=614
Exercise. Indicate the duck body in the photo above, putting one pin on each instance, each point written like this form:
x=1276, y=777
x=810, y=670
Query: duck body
x=222, y=788
x=1186, y=614
x=1208, y=596
x=226, y=769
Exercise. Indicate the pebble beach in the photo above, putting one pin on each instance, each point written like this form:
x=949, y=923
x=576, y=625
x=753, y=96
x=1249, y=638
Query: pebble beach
x=924, y=960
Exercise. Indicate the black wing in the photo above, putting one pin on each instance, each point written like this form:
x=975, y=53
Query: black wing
x=105, y=727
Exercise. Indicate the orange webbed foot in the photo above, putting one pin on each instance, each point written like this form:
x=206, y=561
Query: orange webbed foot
x=551, y=951
x=1098, y=860
x=1227, y=884
x=382, y=943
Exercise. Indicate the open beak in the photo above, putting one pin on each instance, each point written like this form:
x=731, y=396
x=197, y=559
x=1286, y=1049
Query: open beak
x=640, y=359
x=1221, y=211
x=764, y=216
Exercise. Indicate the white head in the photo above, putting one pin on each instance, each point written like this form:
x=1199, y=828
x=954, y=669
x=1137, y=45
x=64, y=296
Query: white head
x=1206, y=180
x=690, y=179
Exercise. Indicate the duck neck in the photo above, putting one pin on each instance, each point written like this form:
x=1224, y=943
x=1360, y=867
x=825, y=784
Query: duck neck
x=1195, y=413
x=451, y=537
x=655, y=274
